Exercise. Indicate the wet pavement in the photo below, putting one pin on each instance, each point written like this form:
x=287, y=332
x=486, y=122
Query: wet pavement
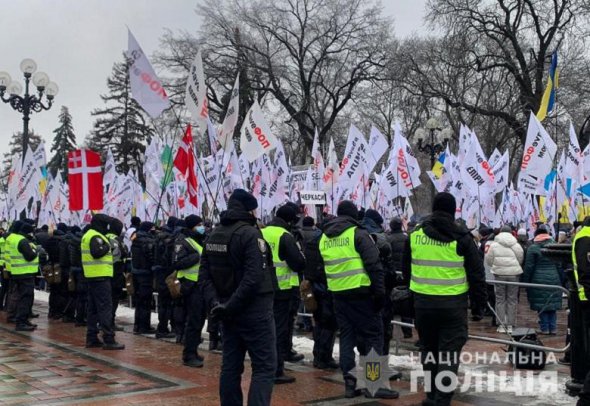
x=51, y=366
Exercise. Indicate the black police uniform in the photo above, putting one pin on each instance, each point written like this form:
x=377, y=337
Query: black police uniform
x=441, y=320
x=142, y=261
x=24, y=285
x=81, y=286
x=235, y=272
x=325, y=326
x=185, y=256
x=163, y=250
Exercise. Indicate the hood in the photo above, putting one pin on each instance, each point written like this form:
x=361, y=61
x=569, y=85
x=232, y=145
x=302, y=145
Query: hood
x=543, y=238
x=506, y=239
x=235, y=212
x=441, y=226
x=279, y=222
x=371, y=226
x=100, y=223
x=338, y=225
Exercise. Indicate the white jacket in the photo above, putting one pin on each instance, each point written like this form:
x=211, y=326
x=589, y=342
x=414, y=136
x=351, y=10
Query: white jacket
x=504, y=255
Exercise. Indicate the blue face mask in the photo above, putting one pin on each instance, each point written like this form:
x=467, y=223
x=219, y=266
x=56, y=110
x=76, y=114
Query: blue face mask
x=200, y=229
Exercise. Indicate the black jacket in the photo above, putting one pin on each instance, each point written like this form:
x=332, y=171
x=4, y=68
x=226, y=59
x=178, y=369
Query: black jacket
x=441, y=226
x=314, y=269
x=368, y=251
x=397, y=241
x=185, y=255
x=142, y=253
x=163, y=250
x=64, y=251
x=581, y=252
x=250, y=257
x=289, y=252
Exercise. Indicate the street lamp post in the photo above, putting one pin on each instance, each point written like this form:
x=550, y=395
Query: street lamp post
x=27, y=103
x=438, y=141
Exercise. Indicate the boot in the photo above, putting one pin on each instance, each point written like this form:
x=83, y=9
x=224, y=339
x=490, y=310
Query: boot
x=213, y=345
x=94, y=344
x=24, y=327
x=113, y=346
x=382, y=393
x=350, y=390
x=193, y=363
x=283, y=379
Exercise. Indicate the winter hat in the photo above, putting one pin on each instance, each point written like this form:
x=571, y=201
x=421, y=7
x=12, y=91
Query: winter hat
x=62, y=227
x=375, y=216
x=505, y=229
x=180, y=223
x=445, y=202
x=192, y=221
x=26, y=228
x=135, y=221
x=287, y=213
x=521, y=231
x=542, y=229
x=245, y=198
x=75, y=229
x=347, y=208
x=171, y=223
x=395, y=224
x=15, y=228
x=146, y=226
x=116, y=226
x=294, y=206
x=308, y=221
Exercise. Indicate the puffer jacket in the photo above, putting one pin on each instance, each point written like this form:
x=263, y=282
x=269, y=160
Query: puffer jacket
x=504, y=255
x=540, y=269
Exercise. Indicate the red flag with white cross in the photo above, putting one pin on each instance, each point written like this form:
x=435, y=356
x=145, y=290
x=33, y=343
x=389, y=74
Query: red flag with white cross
x=85, y=180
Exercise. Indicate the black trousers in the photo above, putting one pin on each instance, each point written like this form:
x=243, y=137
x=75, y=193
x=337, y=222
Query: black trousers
x=5, y=283
x=165, y=307
x=143, y=301
x=193, y=310
x=282, y=309
x=69, y=310
x=117, y=285
x=100, y=310
x=325, y=326
x=361, y=326
x=293, y=310
x=252, y=331
x=58, y=297
x=442, y=332
x=24, y=291
x=81, y=295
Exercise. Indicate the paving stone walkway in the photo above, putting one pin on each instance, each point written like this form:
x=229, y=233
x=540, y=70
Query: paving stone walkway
x=51, y=366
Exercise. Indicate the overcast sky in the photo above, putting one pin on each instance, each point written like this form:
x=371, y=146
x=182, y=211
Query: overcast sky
x=76, y=43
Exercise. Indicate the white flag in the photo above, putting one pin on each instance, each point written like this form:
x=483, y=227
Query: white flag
x=195, y=97
x=27, y=182
x=230, y=120
x=317, y=164
x=377, y=147
x=537, y=158
x=256, y=137
x=146, y=88
x=353, y=164
x=574, y=168
x=500, y=171
x=476, y=172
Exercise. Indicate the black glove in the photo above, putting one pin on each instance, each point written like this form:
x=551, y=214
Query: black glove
x=378, y=302
x=218, y=312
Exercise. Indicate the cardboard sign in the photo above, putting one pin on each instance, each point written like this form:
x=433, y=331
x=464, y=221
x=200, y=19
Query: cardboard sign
x=312, y=197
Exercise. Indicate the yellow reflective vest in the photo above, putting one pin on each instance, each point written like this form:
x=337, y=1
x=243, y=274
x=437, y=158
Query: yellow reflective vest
x=584, y=232
x=96, y=267
x=342, y=263
x=192, y=273
x=437, y=269
x=286, y=278
x=18, y=264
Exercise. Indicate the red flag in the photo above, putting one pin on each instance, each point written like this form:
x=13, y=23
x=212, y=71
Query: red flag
x=85, y=180
x=184, y=161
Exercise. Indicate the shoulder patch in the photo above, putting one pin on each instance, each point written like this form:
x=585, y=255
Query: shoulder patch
x=262, y=245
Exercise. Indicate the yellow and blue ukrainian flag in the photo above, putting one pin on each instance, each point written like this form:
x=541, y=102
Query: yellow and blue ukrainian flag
x=548, y=100
x=439, y=169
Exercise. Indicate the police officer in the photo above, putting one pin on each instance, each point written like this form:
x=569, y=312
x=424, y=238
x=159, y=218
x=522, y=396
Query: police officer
x=581, y=260
x=24, y=265
x=164, y=247
x=67, y=277
x=58, y=287
x=325, y=326
x=187, y=258
x=444, y=267
x=288, y=263
x=397, y=240
x=97, y=264
x=238, y=284
x=355, y=277
x=80, y=284
x=142, y=261
x=120, y=255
